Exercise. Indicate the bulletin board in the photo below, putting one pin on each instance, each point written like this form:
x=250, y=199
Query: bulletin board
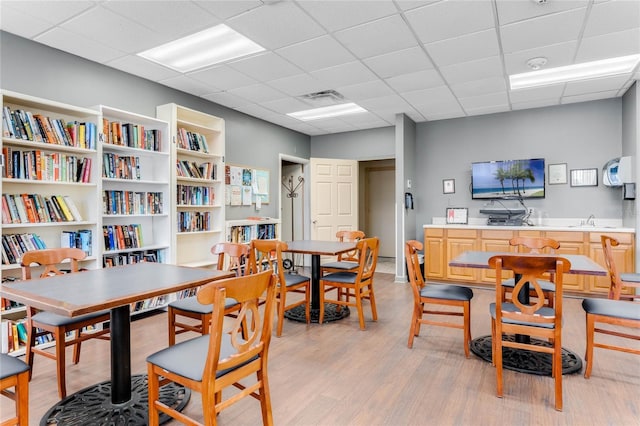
x=246, y=186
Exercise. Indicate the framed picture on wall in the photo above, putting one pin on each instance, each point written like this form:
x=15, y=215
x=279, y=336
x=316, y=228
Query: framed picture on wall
x=457, y=215
x=448, y=186
x=557, y=173
x=584, y=177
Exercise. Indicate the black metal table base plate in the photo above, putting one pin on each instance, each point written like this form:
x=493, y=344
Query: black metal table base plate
x=92, y=405
x=331, y=313
x=526, y=361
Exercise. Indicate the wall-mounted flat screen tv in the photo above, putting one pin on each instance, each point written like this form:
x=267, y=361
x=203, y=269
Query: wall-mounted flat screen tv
x=508, y=179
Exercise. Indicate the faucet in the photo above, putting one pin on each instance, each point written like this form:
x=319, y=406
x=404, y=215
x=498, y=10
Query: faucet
x=591, y=221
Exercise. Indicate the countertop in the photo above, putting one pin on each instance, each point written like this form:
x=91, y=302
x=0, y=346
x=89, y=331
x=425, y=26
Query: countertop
x=536, y=228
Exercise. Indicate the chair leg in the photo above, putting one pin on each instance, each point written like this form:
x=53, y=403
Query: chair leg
x=265, y=397
x=498, y=359
x=307, y=303
x=31, y=342
x=414, y=326
x=588, y=356
x=281, y=306
x=22, y=398
x=76, y=347
x=372, y=300
x=171, y=316
x=59, y=336
x=557, y=367
x=467, y=327
x=321, y=313
x=154, y=394
x=493, y=342
x=360, y=310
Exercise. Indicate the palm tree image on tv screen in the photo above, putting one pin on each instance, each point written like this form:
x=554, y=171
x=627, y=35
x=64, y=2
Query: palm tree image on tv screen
x=508, y=179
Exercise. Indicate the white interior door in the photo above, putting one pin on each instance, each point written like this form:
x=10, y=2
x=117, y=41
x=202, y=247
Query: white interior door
x=334, y=197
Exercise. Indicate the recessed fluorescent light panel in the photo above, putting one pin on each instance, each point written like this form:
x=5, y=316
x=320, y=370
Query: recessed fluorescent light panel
x=208, y=47
x=584, y=71
x=327, y=112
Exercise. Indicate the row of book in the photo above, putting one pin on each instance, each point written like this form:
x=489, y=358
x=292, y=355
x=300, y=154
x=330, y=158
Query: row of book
x=194, y=170
x=116, y=166
x=81, y=239
x=36, y=208
x=195, y=195
x=117, y=259
x=144, y=305
x=192, y=141
x=246, y=233
x=25, y=125
x=130, y=202
x=15, y=245
x=194, y=221
x=131, y=135
x=13, y=335
x=6, y=304
x=39, y=165
x=121, y=237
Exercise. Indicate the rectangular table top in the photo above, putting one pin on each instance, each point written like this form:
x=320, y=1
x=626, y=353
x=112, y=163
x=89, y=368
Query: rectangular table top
x=580, y=264
x=97, y=289
x=318, y=247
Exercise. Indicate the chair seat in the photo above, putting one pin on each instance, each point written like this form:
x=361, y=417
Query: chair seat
x=343, y=264
x=510, y=307
x=630, y=277
x=191, y=304
x=544, y=285
x=341, y=277
x=448, y=292
x=56, y=320
x=612, y=308
x=294, y=279
x=10, y=366
x=188, y=358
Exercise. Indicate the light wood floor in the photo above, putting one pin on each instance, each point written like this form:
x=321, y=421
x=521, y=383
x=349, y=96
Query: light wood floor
x=335, y=374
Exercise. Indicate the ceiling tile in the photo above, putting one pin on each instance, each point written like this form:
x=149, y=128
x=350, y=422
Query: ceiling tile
x=378, y=37
x=172, y=18
x=54, y=12
x=588, y=97
x=81, y=46
x=512, y=11
x=415, y=81
x=344, y=74
x=479, y=87
x=337, y=15
x=465, y=48
x=111, y=29
x=488, y=100
x=265, y=67
x=430, y=97
x=393, y=102
x=222, y=77
x=613, y=16
x=312, y=55
x=538, y=93
x=276, y=25
x=134, y=64
x=447, y=19
x=472, y=71
x=399, y=62
x=493, y=109
x=368, y=119
x=225, y=9
x=227, y=99
x=622, y=43
x=557, y=55
x=286, y=105
x=257, y=93
x=441, y=111
x=298, y=85
x=254, y=110
x=188, y=85
x=538, y=103
x=542, y=31
x=596, y=85
x=12, y=20
x=412, y=4
x=371, y=89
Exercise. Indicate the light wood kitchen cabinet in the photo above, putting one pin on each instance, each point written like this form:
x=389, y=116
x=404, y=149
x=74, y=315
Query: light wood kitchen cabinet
x=447, y=242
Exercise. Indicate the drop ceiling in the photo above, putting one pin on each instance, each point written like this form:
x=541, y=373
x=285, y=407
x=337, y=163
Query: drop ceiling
x=431, y=60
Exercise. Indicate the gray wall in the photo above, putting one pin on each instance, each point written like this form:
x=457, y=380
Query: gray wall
x=38, y=70
x=372, y=144
x=630, y=122
x=583, y=135
x=406, y=170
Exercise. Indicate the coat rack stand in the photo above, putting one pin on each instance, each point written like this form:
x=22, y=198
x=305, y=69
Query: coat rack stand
x=292, y=193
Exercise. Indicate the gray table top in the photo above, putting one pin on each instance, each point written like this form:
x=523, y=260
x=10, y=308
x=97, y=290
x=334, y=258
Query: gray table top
x=318, y=247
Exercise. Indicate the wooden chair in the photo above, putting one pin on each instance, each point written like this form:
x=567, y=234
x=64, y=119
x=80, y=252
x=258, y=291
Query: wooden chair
x=230, y=257
x=346, y=261
x=15, y=374
x=618, y=280
x=208, y=364
x=267, y=254
x=357, y=284
x=534, y=245
x=55, y=324
x=533, y=319
x=432, y=294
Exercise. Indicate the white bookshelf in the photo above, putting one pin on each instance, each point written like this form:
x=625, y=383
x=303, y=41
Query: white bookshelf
x=193, y=243
x=243, y=231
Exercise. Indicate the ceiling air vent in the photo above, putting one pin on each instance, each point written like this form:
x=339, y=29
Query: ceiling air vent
x=322, y=98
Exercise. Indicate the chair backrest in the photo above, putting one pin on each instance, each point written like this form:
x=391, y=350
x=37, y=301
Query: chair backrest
x=535, y=244
x=350, y=237
x=416, y=279
x=267, y=254
x=367, y=257
x=615, y=288
x=50, y=258
x=231, y=257
x=529, y=269
x=247, y=290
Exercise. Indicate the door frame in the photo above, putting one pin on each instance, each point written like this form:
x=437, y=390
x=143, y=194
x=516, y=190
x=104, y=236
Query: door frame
x=306, y=204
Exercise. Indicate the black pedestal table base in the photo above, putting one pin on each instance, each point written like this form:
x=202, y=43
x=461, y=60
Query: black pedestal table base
x=93, y=406
x=331, y=313
x=526, y=361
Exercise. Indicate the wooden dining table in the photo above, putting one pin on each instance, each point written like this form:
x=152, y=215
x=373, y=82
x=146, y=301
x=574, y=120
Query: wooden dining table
x=318, y=248
x=123, y=399
x=522, y=360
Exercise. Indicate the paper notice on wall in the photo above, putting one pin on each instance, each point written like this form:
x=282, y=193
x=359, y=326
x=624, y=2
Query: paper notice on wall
x=246, y=195
x=236, y=195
